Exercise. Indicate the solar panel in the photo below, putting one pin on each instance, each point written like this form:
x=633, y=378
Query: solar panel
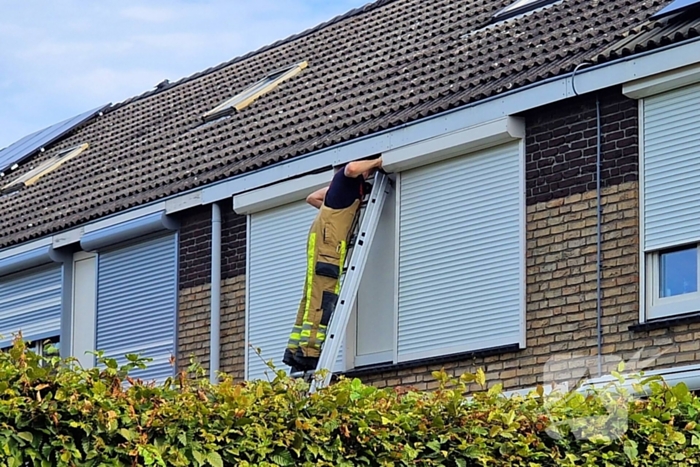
x=676, y=7
x=24, y=148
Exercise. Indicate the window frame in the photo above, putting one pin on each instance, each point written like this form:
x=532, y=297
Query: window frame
x=519, y=144
x=39, y=346
x=256, y=90
x=667, y=307
x=389, y=356
x=519, y=7
x=651, y=306
x=45, y=168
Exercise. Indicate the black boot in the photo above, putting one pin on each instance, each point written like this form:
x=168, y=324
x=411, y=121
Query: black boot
x=305, y=363
x=288, y=360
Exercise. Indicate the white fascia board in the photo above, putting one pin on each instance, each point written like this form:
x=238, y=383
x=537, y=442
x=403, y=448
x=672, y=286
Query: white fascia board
x=6, y=253
x=457, y=143
x=127, y=216
x=663, y=82
x=280, y=193
x=183, y=202
x=68, y=237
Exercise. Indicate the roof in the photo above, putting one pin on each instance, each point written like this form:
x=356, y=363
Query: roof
x=651, y=34
x=386, y=64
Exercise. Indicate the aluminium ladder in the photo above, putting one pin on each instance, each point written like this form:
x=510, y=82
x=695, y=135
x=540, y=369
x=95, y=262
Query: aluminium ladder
x=351, y=281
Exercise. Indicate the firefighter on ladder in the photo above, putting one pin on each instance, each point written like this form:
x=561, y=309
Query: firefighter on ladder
x=326, y=249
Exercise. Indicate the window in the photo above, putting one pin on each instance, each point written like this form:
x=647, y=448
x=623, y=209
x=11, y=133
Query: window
x=31, y=177
x=519, y=7
x=441, y=279
x=31, y=303
x=678, y=272
x=460, y=261
x=250, y=94
x=670, y=177
x=276, y=270
x=137, y=303
x=47, y=347
x=50, y=347
x=673, y=281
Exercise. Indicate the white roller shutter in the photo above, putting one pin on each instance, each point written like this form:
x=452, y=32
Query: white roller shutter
x=276, y=272
x=137, y=304
x=672, y=168
x=460, y=255
x=31, y=302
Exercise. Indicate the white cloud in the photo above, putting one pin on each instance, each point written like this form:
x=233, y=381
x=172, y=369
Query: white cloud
x=68, y=56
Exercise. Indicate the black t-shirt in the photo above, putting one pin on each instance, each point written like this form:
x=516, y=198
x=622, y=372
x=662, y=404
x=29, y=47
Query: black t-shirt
x=344, y=190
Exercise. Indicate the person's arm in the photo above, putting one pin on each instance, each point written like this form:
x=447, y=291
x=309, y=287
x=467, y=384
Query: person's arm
x=356, y=168
x=316, y=198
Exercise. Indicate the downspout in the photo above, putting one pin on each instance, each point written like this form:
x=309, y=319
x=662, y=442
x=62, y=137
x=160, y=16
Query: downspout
x=599, y=223
x=215, y=345
x=599, y=209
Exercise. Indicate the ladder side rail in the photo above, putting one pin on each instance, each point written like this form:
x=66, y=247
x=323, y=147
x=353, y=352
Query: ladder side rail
x=351, y=284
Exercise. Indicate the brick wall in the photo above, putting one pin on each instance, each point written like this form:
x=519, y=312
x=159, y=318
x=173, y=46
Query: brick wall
x=233, y=242
x=195, y=247
x=562, y=145
x=561, y=300
x=561, y=262
x=561, y=247
x=193, y=326
x=195, y=285
x=233, y=326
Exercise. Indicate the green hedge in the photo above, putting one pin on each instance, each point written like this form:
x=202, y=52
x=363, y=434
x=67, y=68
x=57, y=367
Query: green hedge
x=53, y=414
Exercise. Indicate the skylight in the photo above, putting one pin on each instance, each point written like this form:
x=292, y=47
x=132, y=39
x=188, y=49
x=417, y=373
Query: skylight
x=243, y=99
x=31, y=177
x=519, y=7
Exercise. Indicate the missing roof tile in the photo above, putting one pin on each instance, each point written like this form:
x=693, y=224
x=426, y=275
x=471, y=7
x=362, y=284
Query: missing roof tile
x=243, y=99
x=31, y=177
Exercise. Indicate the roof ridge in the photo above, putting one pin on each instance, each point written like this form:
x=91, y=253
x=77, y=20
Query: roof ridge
x=165, y=85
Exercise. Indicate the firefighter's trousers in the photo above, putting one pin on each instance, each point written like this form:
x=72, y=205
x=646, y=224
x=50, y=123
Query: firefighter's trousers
x=326, y=251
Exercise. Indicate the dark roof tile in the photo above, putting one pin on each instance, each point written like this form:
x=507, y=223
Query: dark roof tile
x=377, y=67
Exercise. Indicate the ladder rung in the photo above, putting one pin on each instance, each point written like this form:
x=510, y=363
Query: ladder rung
x=352, y=274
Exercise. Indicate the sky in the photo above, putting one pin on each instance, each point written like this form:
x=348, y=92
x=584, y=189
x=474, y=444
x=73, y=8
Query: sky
x=60, y=58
